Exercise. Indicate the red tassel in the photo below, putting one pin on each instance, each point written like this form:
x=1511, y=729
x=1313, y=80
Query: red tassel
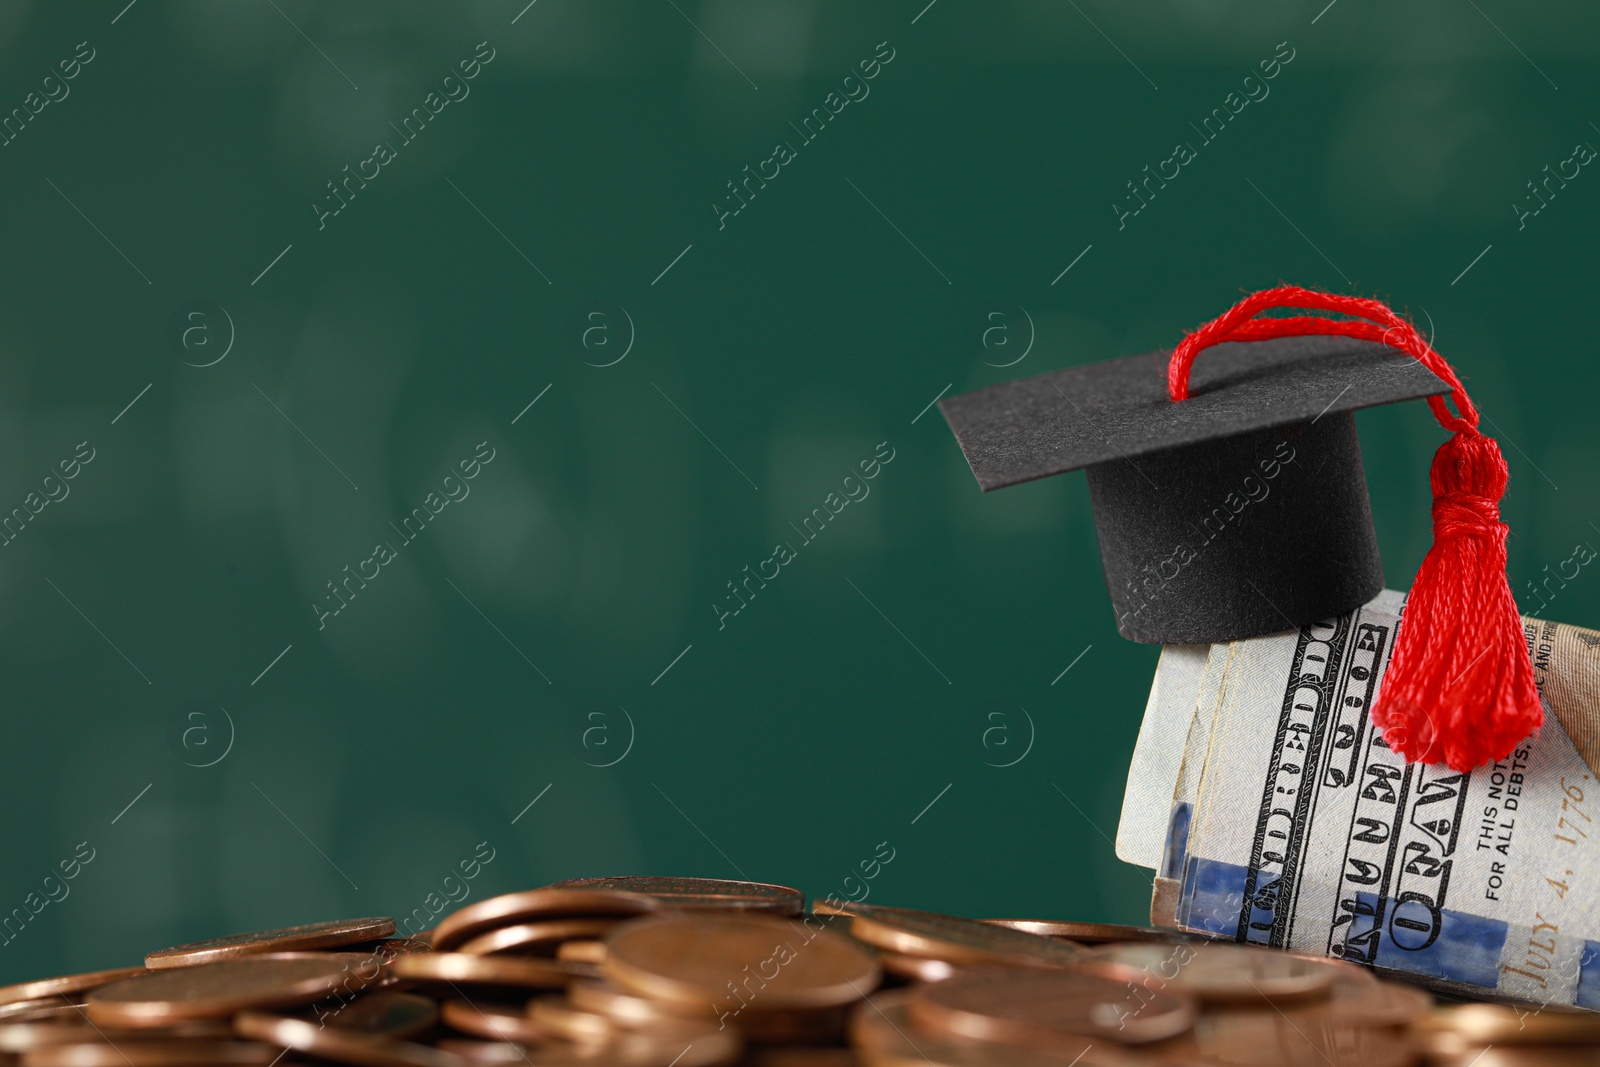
x=1459, y=688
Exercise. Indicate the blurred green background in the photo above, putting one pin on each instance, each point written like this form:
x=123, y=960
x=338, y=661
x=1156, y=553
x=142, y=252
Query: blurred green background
x=561, y=616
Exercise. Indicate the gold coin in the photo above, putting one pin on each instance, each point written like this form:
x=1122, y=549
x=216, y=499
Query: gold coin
x=213, y=990
x=333, y=1043
x=1495, y=1024
x=536, y=938
x=287, y=939
x=525, y=972
x=387, y=1013
x=511, y=909
x=66, y=985
x=498, y=1022
x=151, y=1052
x=955, y=939
x=1214, y=972
x=884, y=1035
x=1093, y=933
x=1039, y=1008
x=709, y=894
x=720, y=962
x=582, y=950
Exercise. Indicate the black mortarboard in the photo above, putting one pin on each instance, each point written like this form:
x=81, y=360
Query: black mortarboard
x=1238, y=511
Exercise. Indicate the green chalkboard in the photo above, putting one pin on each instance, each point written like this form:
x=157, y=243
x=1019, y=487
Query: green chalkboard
x=503, y=430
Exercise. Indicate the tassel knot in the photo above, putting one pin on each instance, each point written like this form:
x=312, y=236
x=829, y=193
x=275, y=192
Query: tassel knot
x=1467, y=515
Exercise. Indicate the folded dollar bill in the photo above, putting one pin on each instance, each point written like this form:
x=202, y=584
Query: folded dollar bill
x=1292, y=824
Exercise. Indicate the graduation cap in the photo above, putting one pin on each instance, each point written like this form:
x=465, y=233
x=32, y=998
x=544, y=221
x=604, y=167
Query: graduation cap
x=1230, y=501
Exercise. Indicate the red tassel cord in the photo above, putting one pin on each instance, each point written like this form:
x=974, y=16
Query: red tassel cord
x=1459, y=689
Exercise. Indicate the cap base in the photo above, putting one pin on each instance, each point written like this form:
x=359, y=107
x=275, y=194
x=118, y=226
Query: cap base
x=1227, y=539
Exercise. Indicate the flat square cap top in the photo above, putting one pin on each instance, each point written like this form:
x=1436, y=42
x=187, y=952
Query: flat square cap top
x=1067, y=419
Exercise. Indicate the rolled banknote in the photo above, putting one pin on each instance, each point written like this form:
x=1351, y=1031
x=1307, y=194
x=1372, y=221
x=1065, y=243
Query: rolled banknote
x=1177, y=722
x=1158, y=754
x=1293, y=824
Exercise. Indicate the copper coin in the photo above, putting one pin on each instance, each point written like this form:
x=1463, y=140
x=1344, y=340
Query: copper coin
x=48, y=1010
x=1037, y=1007
x=1093, y=933
x=914, y=968
x=1363, y=1001
x=697, y=894
x=359, y=970
x=151, y=1052
x=286, y=939
x=1526, y=1056
x=1272, y=1039
x=19, y=1037
x=511, y=909
x=524, y=972
x=628, y=1010
x=387, y=1013
x=882, y=1031
x=800, y=1057
x=66, y=985
x=715, y=961
x=810, y=1027
x=582, y=951
x=213, y=990
x=1216, y=973
x=1344, y=969
x=367, y=960
x=560, y=1018
x=709, y=1048
x=498, y=1022
x=393, y=947
x=333, y=1043
x=1494, y=1024
x=829, y=908
x=955, y=939
x=493, y=1052
x=536, y=938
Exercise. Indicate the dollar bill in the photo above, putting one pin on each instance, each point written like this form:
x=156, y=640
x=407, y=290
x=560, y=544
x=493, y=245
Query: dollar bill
x=1158, y=754
x=1177, y=718
x=1292, y=823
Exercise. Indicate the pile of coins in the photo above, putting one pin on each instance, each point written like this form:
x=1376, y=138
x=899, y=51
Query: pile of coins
x=693, y=972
